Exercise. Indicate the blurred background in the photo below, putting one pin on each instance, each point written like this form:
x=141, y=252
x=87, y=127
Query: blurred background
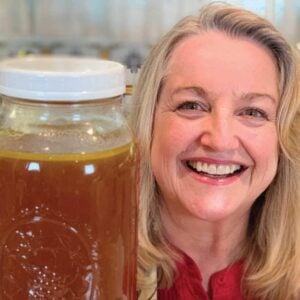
x=122, y=30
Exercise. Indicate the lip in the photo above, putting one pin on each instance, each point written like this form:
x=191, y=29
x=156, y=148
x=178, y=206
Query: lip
x=214, y=180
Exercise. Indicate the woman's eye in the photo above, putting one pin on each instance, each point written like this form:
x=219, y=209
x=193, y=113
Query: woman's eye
x=191, y=105
x=255, y=113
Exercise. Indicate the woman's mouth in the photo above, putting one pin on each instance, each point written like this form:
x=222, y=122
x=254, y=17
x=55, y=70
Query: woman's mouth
x=215, y=170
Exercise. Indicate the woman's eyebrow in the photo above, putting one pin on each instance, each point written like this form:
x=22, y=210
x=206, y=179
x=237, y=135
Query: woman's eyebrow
x=253, y=96
x=199, y=91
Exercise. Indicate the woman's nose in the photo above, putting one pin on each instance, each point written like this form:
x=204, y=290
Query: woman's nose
x=220, y=133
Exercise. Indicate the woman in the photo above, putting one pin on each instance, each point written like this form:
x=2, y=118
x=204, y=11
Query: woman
x=217, y=117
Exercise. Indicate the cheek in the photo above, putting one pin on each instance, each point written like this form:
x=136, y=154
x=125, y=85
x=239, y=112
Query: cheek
x=168, y=142
x=169, y=137
x=264, y=149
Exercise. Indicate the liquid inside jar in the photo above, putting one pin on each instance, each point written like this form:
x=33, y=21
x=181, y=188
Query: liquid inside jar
x=68, y=225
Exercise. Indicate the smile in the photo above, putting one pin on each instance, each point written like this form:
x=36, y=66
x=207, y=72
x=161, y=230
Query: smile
x=215, y=170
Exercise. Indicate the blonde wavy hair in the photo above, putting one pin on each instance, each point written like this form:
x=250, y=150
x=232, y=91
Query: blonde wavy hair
x=272, y=256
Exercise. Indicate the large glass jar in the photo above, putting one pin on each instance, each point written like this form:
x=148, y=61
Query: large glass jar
x=67, y=181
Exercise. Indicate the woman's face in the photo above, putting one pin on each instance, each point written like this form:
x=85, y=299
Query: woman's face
x=215, y=146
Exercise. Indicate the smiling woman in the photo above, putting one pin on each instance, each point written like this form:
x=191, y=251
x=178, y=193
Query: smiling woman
x=222, y=128
x=217, y=116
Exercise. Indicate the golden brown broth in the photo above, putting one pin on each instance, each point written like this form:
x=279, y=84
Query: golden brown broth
x=68, y=225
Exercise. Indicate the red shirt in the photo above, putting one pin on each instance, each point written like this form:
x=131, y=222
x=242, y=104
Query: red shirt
x=224, y=285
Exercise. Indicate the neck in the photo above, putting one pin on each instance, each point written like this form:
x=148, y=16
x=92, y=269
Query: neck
x=212, y=245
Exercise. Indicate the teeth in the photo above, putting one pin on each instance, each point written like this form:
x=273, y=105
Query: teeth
x=214, y=169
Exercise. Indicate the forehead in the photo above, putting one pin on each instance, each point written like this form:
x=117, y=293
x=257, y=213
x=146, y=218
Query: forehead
x=215, y=57
x=216, y=44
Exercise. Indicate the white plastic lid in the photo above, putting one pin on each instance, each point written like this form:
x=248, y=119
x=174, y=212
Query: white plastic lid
x=61, y=78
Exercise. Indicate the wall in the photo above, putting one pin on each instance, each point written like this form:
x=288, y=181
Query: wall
x=118, y=29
